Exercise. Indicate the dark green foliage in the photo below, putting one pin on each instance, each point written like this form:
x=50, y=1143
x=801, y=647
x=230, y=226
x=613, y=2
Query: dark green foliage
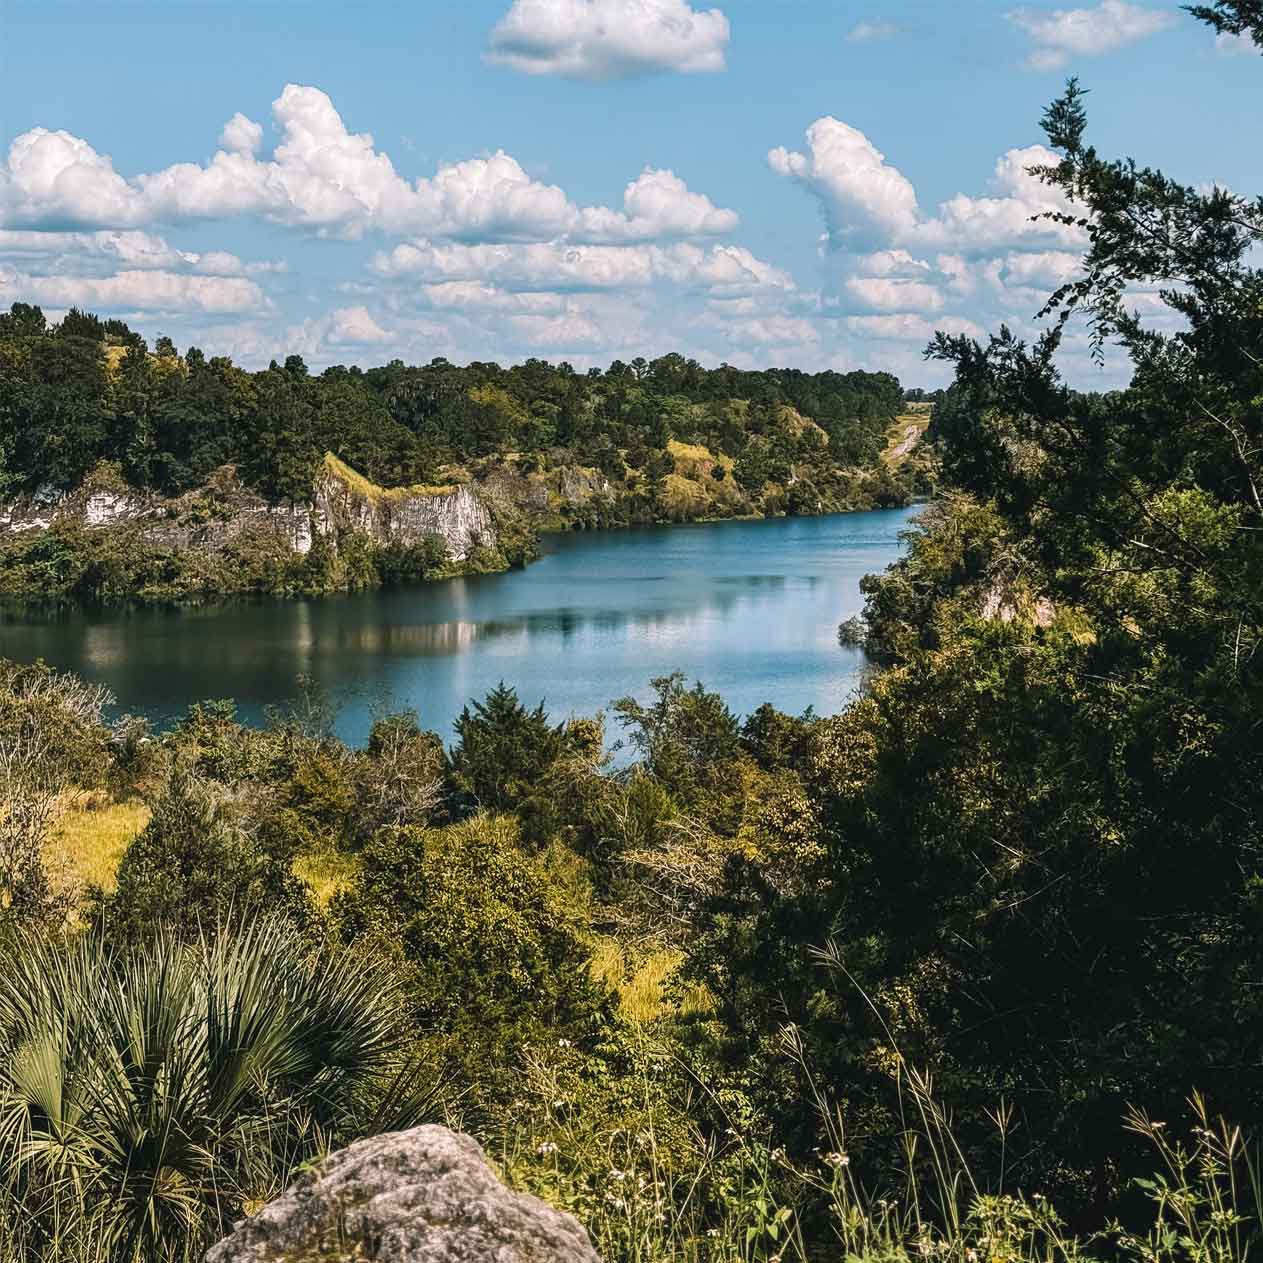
x=503, y=750
x=492, y=957
x=174, y=1080
x=689, y=741
x=201, y=860
x=85, y=391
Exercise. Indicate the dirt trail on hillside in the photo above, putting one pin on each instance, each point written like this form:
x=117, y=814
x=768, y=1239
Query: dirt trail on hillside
x=911, y=434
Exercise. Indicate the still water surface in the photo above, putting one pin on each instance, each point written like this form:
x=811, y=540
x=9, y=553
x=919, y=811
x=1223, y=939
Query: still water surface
x=749, y=608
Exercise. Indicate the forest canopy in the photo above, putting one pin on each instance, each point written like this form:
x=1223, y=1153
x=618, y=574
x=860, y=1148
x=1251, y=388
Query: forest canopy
x=86, y=390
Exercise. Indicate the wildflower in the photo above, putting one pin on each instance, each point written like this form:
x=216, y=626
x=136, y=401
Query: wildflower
x=546, y=1148
x=837, y=1159
x=563, y=1043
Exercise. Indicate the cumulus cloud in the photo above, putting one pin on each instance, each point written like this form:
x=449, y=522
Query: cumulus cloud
x=862, y=195
x=57, y=180
x=659, y=204
x=555, y=266
x=1059, y=35
x=354, y=326
x=886, y=294
x=570, y=331
x=609, y=39
x=770, y=331
x=324, y=178
x=891, y=263
x=480, y=296
x=867, y=201
x=148, y=291
x=870, y=30
x=241, y=135
x=909, y=327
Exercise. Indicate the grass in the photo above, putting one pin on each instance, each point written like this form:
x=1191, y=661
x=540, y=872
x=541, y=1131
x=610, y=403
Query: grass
x=89, y=839
x=643, y=983
x=358, y=485
x=682, y=497
x=328, y=873
x=908, y=425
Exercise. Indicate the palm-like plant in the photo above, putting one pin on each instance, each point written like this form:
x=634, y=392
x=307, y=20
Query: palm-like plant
x=147, y=1097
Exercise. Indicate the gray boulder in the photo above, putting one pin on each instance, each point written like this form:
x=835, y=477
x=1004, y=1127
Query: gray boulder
x=420, y=1196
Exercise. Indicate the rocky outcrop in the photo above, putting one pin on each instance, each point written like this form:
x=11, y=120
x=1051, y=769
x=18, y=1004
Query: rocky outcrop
x=342, y=500
x=420, y=1196
x=212, y=517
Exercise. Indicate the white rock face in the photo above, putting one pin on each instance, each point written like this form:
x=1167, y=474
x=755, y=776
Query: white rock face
x=455, y=513
x=419, y=1196
x=103, y=508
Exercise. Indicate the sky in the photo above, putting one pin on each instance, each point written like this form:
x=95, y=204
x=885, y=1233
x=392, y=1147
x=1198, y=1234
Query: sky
x=806, y=183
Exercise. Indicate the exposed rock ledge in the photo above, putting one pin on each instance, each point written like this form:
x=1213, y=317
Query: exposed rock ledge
x=213, y=516
x=419, y=1196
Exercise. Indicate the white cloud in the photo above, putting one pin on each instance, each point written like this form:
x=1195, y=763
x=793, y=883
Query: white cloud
x=478, y=296
x=1045, y=269
x=609, y=39
x=657, y=205
x=71, y=253
x=868, y=202
x=1058, y=35
x=57, y=180
x=891, y=263
x=353, y=326
x=862, y=195
x=539, y=265
x=770, y=331
x=909, y=327
x=886, y=294
x=241, y=135
x=324, y=178
x=572, y=330
x=870, y=30
x=555, y=266
x=135, y=291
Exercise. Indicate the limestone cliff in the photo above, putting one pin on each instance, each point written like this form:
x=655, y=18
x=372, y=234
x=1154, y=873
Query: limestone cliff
x=106, y=542
x=342, y=501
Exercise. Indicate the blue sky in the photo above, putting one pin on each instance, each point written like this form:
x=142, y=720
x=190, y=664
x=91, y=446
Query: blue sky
x=813, y=183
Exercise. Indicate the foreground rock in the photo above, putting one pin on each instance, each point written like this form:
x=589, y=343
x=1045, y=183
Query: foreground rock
x=419, y=1196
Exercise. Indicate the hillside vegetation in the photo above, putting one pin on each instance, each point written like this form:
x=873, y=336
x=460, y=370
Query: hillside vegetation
x=86, y=405
x=969, y=971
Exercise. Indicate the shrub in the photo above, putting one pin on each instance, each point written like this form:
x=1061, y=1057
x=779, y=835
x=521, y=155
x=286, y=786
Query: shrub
x=149, y=1095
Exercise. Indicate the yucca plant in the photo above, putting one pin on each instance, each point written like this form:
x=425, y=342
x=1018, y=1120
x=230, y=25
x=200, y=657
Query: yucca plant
x=148, y=1097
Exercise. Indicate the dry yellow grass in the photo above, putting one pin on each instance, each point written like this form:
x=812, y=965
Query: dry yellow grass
x=682, y=497
x=368, y=490
x=89, y=839
x=328, y=873
x=905, y=434
x=641, y=982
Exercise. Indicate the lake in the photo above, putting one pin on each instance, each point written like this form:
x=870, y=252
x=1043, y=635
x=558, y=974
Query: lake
x=749, y=608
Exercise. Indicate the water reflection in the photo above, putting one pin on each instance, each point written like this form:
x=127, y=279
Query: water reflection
x=751, y=608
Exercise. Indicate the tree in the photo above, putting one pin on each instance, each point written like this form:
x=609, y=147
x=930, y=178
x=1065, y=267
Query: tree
x=52, y=745
x=503, y=750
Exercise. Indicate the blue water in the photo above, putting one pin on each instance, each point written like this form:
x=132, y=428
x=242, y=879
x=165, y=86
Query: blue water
x=749, y=608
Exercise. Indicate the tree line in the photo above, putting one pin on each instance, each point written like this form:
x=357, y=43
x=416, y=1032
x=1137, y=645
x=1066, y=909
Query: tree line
x=87, y=390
